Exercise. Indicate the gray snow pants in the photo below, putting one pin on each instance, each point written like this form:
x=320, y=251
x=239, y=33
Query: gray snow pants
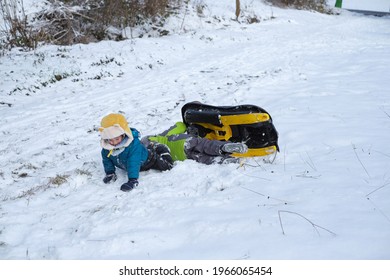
x=204, y=150
x=199, y=149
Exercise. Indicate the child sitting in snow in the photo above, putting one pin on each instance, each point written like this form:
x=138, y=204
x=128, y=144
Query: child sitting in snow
x=123, y=149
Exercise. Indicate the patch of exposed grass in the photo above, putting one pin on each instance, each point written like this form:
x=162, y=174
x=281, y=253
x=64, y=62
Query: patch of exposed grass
x=58, y=180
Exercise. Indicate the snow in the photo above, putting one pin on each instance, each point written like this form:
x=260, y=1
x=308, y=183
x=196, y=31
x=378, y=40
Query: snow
x=324, y=80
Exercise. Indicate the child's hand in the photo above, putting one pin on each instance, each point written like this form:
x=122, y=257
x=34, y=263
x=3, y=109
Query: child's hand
x=131, y=184
x=109, y=177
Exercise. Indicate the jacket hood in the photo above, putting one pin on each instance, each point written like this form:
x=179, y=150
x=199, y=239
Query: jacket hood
x=114, y=125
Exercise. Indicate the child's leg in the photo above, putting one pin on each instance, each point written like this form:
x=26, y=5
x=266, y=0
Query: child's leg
x=209, y=151
x=204, y=146
x=163, y=157
x=204, y=150
x=152, y=157
x=159, y=156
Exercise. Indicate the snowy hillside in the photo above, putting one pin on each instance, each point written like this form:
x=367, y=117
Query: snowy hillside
x=323, y=78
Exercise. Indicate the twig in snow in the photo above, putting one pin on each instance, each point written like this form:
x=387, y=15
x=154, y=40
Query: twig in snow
x=376, y=207
x=379, y=152
x=304, y=175
x=383, y=110
x=265, y=179
x=361, y=163
x=331, y=148
x=270, y=161
x=268, y=197
x=259, y=165
x=310, y=162
x=244, y=163
x=315, y=226
x=381, y=187
x=380, y=211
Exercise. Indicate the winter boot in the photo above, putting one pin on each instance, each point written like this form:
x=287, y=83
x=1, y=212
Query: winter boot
x=239, y=148
x=164, y=159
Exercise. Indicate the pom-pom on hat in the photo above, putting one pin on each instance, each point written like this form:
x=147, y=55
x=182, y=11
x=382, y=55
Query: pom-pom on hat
x=114, y=125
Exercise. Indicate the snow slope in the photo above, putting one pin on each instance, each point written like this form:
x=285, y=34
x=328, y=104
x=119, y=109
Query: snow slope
x=323, y=78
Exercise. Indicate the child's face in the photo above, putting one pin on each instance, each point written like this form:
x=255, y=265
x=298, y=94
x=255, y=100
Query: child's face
x=115, y=141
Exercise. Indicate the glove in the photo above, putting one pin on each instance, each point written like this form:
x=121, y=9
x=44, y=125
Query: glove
x=109, y=177
x=131, y=184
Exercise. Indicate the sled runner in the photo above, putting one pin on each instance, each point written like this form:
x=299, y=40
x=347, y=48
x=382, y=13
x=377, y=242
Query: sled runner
x=243, y=123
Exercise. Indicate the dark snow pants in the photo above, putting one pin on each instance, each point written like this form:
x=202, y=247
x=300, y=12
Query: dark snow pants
x=159, y=157
x=199, y=149
x=204, y=150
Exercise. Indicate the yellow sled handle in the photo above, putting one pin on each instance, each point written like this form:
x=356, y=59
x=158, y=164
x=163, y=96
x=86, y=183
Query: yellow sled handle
x=253, y=152
x=224, y=133
x=244, y=119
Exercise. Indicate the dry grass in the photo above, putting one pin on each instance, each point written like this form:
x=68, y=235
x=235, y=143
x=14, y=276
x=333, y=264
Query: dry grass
x=314, y=5
x=58, y=180
x=75, y=21
x=54, y=182
x=16, y=31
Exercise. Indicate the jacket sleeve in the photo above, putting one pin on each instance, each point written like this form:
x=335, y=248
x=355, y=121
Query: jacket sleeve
x=135, y=159
x=108, y=165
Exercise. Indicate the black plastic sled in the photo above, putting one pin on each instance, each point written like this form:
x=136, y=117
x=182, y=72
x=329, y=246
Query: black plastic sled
x=249, y=124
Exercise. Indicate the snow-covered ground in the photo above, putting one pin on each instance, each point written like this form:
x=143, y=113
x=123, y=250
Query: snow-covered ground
x=323, y=78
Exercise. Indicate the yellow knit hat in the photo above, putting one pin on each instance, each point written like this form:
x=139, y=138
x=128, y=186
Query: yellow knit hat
x=114, y=125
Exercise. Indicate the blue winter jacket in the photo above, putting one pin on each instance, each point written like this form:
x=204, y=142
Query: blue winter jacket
x=131, y=159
